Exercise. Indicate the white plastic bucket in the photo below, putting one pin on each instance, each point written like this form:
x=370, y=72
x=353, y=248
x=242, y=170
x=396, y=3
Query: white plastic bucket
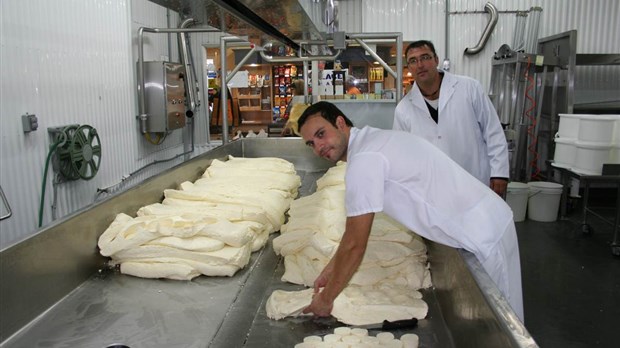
x=617, y=130
x=565, y=151
x=597, y=128
x=614, y=154
x=569, y=126
x=590, y=157
x=517, y=195
x=544, y=201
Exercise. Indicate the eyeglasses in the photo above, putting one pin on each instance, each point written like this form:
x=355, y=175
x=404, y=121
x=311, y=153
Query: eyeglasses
x=422, y=58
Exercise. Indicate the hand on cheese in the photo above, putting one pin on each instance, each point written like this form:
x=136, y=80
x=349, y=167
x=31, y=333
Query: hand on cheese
x=384, y=286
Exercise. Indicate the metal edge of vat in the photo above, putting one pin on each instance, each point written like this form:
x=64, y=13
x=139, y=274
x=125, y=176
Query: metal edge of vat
x=42, y=269
x=474, y=310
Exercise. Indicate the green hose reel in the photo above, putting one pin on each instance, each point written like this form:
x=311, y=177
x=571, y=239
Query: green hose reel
x=78, y=153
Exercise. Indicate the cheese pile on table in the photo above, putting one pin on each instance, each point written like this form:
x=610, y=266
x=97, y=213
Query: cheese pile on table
x=207, y=227
x=384, y=286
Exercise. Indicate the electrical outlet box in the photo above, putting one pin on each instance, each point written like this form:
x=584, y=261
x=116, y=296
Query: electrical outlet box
x=164, y=93
x=339, y=40
x=30, y=123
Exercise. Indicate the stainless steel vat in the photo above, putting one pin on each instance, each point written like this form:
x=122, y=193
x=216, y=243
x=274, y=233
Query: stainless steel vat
x=57, y=292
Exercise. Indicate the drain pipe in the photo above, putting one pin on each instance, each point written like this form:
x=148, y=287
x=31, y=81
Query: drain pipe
x=492, y=10
x=142, y=115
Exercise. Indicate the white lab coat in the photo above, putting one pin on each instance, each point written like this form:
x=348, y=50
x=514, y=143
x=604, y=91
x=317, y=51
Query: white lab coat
x=468, y=131
x=433, y=196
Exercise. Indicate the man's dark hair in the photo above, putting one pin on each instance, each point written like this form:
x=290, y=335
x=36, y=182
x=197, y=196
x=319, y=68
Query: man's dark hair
x=421, y=43
x=328, y=111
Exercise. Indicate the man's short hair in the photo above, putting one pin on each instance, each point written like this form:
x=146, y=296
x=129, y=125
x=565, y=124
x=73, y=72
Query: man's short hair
x=328, y=111
x=421, y=43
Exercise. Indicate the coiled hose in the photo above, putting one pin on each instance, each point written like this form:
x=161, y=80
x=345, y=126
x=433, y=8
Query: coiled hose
x=61, y=139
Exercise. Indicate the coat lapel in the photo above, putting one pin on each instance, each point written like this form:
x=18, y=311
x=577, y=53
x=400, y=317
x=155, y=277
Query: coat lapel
x=415, y=97
x=448, y=86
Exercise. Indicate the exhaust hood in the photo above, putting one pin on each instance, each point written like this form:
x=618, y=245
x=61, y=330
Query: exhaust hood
x=262, y=21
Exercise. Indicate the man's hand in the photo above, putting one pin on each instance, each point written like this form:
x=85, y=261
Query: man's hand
x=320, y=306
x=323, y=278
x=499, y=186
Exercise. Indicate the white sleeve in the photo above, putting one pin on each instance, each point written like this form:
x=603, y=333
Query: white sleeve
x=492, y=133
x=364, y=181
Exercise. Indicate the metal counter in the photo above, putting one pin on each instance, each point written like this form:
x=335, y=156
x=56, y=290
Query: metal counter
x=77, y=302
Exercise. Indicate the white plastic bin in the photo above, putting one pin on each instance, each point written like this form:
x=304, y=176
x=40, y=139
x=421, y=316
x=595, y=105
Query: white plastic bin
x=590, y=157
x=617, y=130
x=544, y=201
x=517, y=195
x=614, y=154
x=597, y=128
x=565, y=151
x=569, y=126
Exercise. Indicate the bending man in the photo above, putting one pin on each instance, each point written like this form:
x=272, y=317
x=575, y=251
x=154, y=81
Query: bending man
x=415, y=183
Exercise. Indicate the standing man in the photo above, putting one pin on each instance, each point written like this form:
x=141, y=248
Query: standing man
x=419, y=186
x=454, y=114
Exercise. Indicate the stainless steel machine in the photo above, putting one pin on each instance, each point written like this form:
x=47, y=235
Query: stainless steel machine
x=57, y=290
x=530, y=89
x=164, y=92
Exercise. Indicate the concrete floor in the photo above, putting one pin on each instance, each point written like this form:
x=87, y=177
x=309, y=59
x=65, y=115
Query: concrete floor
x=571, y=282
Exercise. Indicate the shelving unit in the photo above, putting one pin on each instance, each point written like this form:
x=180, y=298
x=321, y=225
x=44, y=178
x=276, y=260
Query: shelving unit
x=254, y=105
x=283, y=76
x=255, y=101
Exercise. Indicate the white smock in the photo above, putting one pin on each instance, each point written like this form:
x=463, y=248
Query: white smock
x=468, y=130
x=419, y=186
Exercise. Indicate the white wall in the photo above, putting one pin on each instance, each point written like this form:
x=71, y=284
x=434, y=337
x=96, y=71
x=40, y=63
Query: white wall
x=73, y=62
x=596, y=22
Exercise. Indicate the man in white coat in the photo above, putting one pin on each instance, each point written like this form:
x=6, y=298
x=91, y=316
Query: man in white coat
x=421, y=188
x=454, y=114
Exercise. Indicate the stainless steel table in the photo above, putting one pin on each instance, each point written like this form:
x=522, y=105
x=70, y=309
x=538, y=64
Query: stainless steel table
x=586, y=181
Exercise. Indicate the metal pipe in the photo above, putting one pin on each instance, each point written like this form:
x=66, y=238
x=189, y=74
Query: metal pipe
x=399, y=66
x=224, y=85
x=184, y=52
x=272, y=59
x=447, y=28
x=518, y=41
x=376, y=57
x=169, y=35
x=492, y=10
x=371, y=36
x=305, y=72
x=531, y=33
x=141, y=100
x=230, y=75
x=399, y=54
